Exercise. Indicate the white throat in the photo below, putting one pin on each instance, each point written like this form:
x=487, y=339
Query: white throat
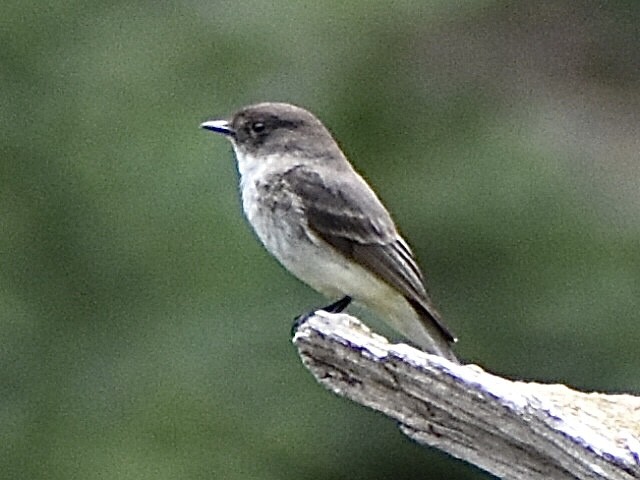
x=252, y=169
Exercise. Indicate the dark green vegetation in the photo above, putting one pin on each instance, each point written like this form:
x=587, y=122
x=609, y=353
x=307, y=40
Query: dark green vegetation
x=143, y=330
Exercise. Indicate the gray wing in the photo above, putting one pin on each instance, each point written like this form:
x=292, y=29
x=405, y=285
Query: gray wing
x=348, y=216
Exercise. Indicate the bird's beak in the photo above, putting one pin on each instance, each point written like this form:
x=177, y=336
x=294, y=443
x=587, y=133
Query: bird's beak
x=219, y=126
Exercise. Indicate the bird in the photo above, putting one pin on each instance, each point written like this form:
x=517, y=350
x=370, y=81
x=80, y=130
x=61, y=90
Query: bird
x=321, y=220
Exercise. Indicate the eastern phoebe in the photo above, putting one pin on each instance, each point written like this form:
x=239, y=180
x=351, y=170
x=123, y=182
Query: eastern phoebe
x=320, y=219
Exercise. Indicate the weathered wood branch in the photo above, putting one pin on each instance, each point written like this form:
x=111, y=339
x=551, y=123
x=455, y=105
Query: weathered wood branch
x=512, y=429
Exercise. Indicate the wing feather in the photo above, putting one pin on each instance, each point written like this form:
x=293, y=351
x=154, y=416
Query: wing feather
x=335, y=210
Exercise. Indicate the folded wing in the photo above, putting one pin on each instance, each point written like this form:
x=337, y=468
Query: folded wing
x=350, y=218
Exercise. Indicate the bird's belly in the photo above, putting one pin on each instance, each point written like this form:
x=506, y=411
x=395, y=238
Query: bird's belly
x=285, y=234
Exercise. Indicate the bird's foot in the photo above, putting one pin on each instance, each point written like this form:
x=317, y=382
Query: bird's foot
x=335, y=307
x=299, y=320
x=339, y=306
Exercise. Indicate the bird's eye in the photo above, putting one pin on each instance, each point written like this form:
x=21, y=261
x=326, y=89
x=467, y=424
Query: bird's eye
x=258, y=127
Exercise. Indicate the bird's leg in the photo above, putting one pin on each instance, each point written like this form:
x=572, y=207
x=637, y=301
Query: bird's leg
x=335, y=307
x=339, y=306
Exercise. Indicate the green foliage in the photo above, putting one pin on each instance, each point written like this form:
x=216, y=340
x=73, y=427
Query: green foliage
x=144, y=332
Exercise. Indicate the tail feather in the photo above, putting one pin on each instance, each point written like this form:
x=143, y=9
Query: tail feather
x=436, y=339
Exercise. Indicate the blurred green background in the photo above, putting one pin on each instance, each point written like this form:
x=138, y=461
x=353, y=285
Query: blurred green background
x=144, y=333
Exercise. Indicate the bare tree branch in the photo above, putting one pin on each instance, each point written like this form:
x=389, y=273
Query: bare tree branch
x=522, y=430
